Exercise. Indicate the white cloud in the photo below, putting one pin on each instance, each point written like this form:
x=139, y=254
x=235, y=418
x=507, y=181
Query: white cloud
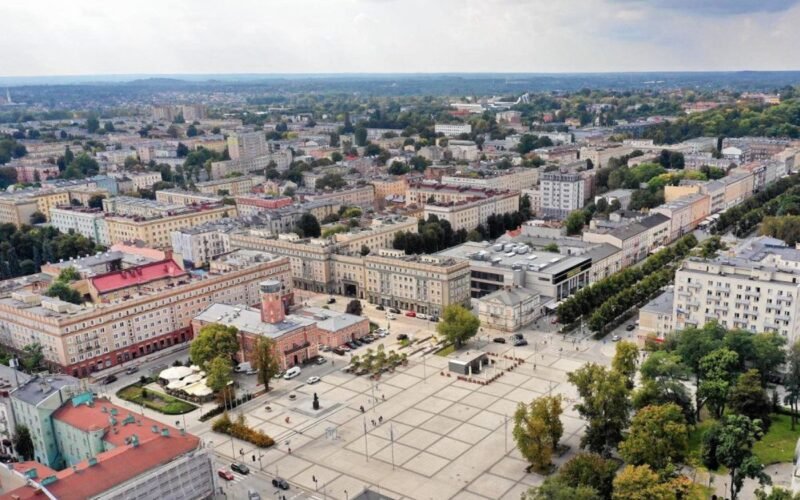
x=45, y=37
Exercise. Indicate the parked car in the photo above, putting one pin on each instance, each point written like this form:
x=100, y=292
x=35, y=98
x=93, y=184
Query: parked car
x=110, y=379
x=339, y=351
x=379, y=307
x=350, y=344
x=131, y=370
x=520, y=342
x=281, y=483
x=422, y=316
x=325, y=348
x=616, y=338
x=368, y=339
x=435, y=319
x=345, y=348
x=320, y=360
x=253, y=495
x=411, y=314
x=240, y=468
x=499, y=340
x=402, y=336
x=225, y=474
x=394, y=310
x=390, y=316
x=357, y=342
x=312, y=380
x=292, y=373
x=331, y=300
x=278, y=375
x=630, y=328
x=383, y=334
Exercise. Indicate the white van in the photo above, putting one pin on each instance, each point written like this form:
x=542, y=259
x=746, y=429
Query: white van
x=291, y=373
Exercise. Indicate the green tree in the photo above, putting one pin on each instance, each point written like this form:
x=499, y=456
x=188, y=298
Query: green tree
x=769, y=354
x=661, y=383
x=92, y=124
x=220, y=373
x=32, y=357
x=23, y=443
x=64, y=292
x=308, y=226
x=538, y=429
x=354, y=307
x=605, y=405
x=109, y=126
x=68, y=275
x=692, y=345
x=38, y=217
x=191, y=131
x=589, y=469
x=266, y=361
x=575, y=222
x=719, y=370
x=642, y=483
x=214, y=340
x=776, y=494
x=792, y=381
x=749, y=398
x=551, y=247
x=457, y=325
x=553, y=488
x=658, y=436
x=625, y=360
x=96, y=201
x=361, y=136
x=733, y=443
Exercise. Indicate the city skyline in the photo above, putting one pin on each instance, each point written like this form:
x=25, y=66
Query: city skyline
x=372, y=36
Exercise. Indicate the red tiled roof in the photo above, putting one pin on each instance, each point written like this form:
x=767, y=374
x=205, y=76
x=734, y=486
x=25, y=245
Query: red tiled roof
x=118, y=465
x=139, y=275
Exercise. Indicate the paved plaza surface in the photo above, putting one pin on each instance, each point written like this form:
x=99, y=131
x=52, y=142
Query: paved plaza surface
x=428, y=436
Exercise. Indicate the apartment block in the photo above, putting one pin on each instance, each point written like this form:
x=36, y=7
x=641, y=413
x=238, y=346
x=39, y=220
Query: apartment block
x=281, y=159
x=351, y=196
x=247, y=145
x=685, y=213
x=17, y=210
x=156, y=231
x=752, y=287
x=562, y=193
x=140, y=207
x=181, y=197
x=470, y=213
x=136, y=314
x=232, y=186
x=452, y=129
x=89, y=222
x=512, y=179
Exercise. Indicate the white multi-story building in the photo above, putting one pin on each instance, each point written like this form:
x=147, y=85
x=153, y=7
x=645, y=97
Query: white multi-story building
x=754, y=287
x=89, y=222
x=514, y=179
x=470, y=213
x=452, y=129
x=561, y=194
x=246, y=145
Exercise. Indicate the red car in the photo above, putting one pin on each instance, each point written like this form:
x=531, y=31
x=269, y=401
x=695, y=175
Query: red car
x=225, y=474
x=411, y=314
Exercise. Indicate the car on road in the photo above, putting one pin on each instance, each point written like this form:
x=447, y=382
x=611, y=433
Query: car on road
x=131, y=370
x=339, y=351
x=390, y=316
x=280, y=482
x=411, y=314
x=520, y=342
x=379, y=307
x=240, y=468
x=110, y=379
x=499, y=340
x=422, y=316
x=402, y=336
x=312, y=380
x=616, y=338
x=253, y=495
x=630, y=327
x=320, y=360
x=394, y=310
x=331, y=300
x=383, y=334
x=435, y=319
x=292, y=373
x=225, y=474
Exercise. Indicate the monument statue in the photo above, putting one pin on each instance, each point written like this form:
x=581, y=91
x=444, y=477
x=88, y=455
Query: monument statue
x=316, y=402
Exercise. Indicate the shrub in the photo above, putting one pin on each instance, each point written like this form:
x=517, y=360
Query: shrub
x=240, y=430
x=219, y=409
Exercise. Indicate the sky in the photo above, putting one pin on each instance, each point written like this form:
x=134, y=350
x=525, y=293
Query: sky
x=104, y=37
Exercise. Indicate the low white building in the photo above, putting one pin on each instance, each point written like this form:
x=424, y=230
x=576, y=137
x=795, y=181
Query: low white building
x=510, y=309
x=452, y=129
x=89, y=222
x=469, y=214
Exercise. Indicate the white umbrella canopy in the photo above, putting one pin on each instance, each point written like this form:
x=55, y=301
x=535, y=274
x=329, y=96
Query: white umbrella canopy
x=175, y=373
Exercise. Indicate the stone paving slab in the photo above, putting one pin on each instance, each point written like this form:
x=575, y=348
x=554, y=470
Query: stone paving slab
x=460, y=411
x=469, y=433
x=479, y=400
x=413, y=417
x=449, y=448
x=419, y=438
x=491, y=486
x=510, y=468
x=440, y=424
x=402, y=454
x=426, y=464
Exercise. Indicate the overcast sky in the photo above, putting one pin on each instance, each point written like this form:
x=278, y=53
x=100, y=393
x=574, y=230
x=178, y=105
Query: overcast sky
x=80, y=37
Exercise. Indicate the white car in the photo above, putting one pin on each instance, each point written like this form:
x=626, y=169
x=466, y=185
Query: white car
x=422, y=316
x=312, y=380
x=391, y=316
x=291, y=373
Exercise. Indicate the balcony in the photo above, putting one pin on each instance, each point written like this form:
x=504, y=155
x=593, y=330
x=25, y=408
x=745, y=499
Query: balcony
x=297, y=347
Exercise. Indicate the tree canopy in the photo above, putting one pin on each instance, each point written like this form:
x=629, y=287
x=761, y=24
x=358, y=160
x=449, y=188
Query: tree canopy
x=214, y=340
x=457, y=324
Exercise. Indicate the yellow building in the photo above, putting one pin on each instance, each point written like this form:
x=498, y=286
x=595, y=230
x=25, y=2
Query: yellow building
x=17, y=211
x=47, y=199
x=388, y=186
x=156, y=232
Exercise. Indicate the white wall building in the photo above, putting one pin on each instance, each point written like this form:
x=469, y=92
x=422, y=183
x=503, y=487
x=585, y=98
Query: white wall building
x=561, y=194
x=85, y=221
x=453, y=129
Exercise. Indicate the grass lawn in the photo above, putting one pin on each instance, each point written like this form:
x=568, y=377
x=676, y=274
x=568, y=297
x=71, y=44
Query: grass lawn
x=775, y=447
x=779, y=442
x=446, y=351
x=157, y=401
